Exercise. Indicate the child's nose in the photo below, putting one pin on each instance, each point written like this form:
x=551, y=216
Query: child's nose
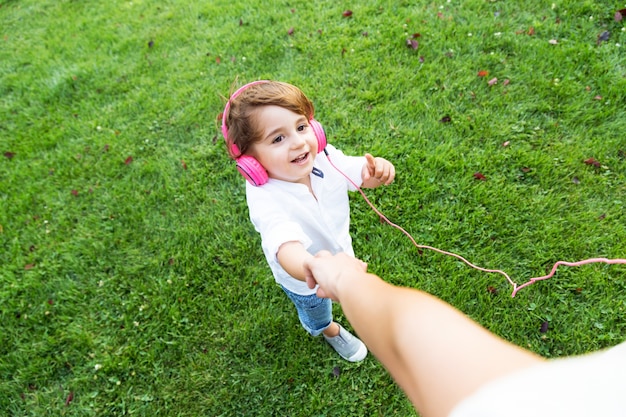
x=298, y=140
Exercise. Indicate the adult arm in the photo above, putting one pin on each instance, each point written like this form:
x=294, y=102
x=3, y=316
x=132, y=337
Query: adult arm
x=435, y=353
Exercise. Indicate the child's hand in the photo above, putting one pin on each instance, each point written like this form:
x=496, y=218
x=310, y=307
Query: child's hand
x=377, y=171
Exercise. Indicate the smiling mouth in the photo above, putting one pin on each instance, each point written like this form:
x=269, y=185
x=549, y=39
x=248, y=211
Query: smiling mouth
x=301, y=158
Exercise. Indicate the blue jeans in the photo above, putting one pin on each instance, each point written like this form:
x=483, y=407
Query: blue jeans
x=315, y=313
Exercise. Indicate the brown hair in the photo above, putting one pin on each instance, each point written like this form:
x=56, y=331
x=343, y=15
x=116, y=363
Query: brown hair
x=241, y=118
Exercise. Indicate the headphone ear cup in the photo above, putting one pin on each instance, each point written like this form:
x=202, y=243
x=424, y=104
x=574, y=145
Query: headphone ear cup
x=319, y=134
x=252, y=170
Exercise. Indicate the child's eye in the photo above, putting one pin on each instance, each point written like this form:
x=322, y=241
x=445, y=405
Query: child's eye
x=278, y=139
x=301, y=127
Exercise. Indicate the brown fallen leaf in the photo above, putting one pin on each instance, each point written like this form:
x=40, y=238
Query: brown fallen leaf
x=412, y=43
x=479, y=176
x=593, y=161
x=69, y=398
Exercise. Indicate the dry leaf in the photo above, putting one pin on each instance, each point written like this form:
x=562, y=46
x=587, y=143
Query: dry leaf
x=592, y=161
x=479, y=176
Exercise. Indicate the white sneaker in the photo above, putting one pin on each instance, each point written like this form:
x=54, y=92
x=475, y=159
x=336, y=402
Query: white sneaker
x=347, y=346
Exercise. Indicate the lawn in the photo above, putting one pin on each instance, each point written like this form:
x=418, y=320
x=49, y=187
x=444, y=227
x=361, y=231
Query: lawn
x=133, y=283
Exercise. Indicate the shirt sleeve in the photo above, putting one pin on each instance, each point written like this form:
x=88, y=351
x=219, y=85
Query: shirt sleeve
x=350, y=166
x=274, y=223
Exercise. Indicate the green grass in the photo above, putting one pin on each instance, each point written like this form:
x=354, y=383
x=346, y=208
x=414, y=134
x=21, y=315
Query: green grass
x=138, y=287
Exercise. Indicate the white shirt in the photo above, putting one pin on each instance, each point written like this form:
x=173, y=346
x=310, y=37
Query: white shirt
x=580, y=386
x=285, y=212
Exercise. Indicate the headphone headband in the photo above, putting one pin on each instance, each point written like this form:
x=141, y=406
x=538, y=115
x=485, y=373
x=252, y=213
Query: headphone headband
x=233, y=149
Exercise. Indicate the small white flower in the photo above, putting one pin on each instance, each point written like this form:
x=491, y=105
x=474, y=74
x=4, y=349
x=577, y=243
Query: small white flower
x=469, y=34
x=97, y=367
x=498, y=34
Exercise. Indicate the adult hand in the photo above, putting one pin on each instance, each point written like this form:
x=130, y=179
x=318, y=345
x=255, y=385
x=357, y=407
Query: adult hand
x=327, y=271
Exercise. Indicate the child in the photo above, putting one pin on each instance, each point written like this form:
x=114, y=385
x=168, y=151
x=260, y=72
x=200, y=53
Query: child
x=297, y=200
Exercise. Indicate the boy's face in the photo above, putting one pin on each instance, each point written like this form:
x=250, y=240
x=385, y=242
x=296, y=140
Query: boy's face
x=289, y=146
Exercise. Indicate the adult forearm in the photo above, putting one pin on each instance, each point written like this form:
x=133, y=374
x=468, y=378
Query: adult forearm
x=436, y=353
x=378, y=311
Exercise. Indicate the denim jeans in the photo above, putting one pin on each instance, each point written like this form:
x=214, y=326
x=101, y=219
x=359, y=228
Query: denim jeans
x=315, y=313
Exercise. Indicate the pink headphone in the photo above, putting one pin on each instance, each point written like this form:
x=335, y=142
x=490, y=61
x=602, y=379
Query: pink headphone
x=248, y=166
